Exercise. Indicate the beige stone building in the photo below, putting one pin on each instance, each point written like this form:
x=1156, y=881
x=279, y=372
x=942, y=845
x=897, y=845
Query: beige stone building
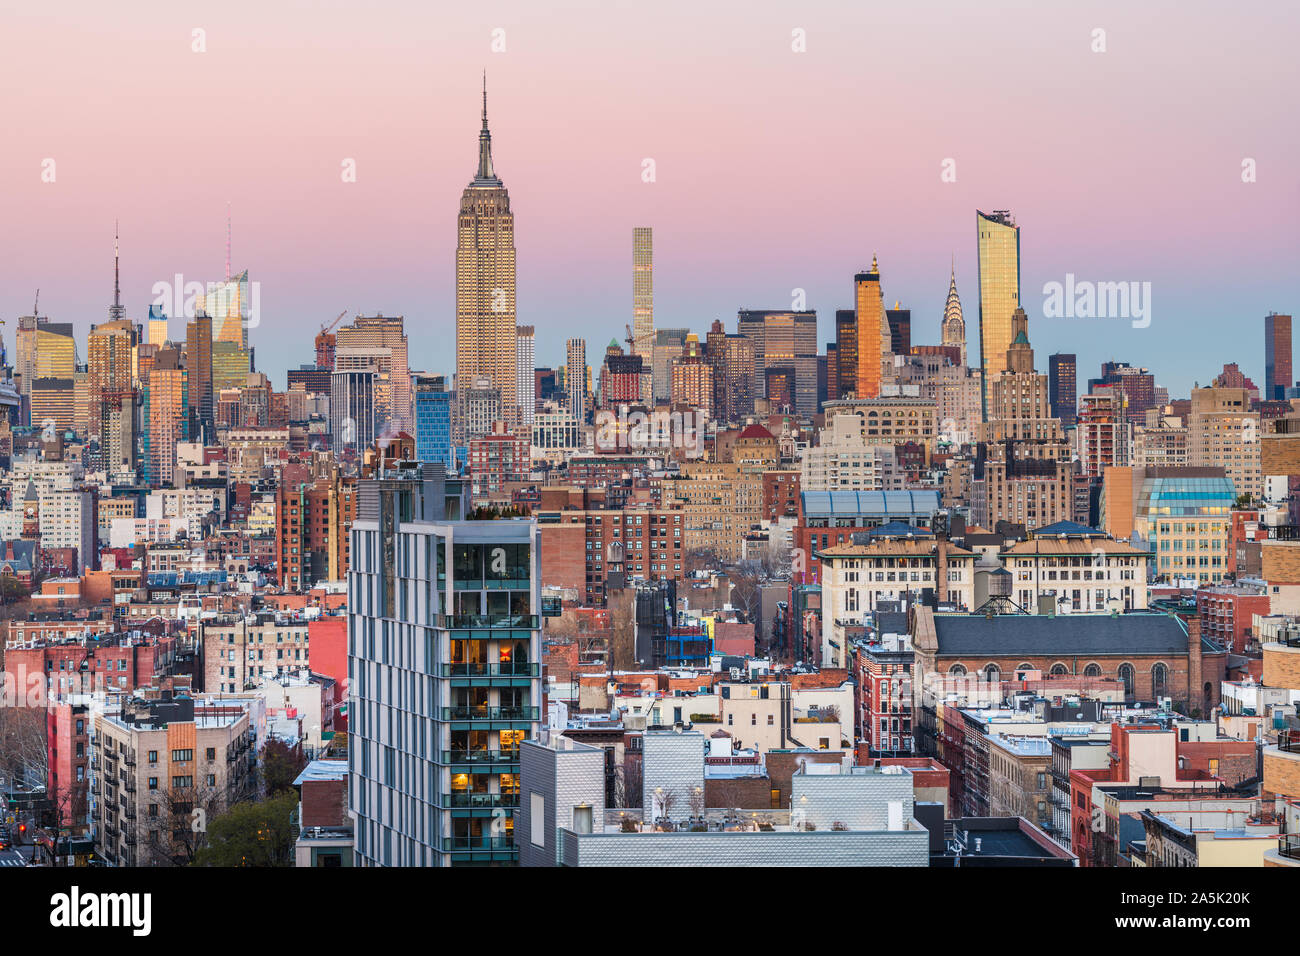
x=892, y=420
x=1020, y=777
x=158, y=768
x=1161, y=442
x=1224, y=433
x=721, y=501
x=857, y=577
x=240, y=651
x=842, y=460
x=1091, y=571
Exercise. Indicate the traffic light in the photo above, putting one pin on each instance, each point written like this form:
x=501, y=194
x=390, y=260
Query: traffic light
x=22, y=828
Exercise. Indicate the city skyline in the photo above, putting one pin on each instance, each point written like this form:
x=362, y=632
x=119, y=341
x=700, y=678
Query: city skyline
x=716, y=253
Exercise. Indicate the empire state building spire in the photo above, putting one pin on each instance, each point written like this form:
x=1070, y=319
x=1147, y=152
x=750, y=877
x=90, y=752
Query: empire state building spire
x=116, y=310
x=485, y=172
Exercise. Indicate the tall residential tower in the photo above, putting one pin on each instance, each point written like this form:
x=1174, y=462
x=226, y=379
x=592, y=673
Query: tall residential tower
x=998, y=241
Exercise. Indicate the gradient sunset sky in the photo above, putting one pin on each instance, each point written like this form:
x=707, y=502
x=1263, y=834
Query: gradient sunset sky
x=775, y=170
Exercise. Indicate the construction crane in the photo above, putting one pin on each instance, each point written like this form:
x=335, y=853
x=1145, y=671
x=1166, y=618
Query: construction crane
x=325, y=329
x=631, y=339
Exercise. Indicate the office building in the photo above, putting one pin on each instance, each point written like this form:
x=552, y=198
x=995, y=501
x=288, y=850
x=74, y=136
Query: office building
x=784, y=340
x=872, y=325
x=486, y=322
x=1278, y=376
x=1063, y=387
x=433, y=420
x=953, y=330
x=352, y=411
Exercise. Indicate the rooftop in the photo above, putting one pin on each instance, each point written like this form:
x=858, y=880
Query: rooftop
x=1074, y=635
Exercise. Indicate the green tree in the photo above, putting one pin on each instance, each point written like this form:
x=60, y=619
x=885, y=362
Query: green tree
x=252, y=834
x=281, y=765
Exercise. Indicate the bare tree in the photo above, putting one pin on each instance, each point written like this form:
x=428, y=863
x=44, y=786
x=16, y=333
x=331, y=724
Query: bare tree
x=747, y=580
x=696, y=801
x=665, y=800
x=627, y=784
x=23, y=750
x=179, y=830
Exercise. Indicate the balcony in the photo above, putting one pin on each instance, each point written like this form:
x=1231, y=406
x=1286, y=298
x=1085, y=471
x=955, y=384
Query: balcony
x=518, y=582
x=1288, y=846
x=1288, y=741
x=462, y=622
x=480, y=801
x=479, y=757
x=463, y=669
x=489, y=713
x=463, y=844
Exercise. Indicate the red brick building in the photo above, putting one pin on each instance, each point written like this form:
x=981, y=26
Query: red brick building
x=780, y=495
x=327, y=654
x=1227, y=614
x=68, y=751
x=883, y=722
x=1245, y=528
x=498, y=459
x=313, y=518
x=582, y=549
x=1154, y=655
x=113, y=662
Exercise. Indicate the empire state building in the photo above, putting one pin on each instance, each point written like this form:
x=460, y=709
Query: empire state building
x=485, y=280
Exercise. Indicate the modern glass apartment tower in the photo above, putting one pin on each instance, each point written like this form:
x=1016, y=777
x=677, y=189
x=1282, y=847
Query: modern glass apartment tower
x=444, y=674
x=998, y=244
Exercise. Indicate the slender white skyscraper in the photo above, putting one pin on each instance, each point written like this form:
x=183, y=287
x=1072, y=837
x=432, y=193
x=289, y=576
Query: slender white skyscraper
x=525, y=380
x=643, y=303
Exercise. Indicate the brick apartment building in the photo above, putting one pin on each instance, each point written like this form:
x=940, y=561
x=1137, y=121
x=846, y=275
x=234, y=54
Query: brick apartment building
x=583, y=550
x=1226, y=614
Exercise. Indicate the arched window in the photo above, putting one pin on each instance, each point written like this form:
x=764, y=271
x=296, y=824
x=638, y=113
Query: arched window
x=1059, y=670
x=1025, y=667
x=1092, y=670
x=992, y=673
x=1159, y=678
x=1126, y=675
x=957, y=670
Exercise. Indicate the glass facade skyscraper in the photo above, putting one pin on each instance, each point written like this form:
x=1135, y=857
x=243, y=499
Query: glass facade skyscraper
x=998, y=242
x=433, y=420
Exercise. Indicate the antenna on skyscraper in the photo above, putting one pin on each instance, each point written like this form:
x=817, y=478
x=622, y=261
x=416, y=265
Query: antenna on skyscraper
x=116, y=312
x=36, y=304
x=227, y=242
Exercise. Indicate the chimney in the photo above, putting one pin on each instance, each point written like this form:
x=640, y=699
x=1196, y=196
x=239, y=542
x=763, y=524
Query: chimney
x=941, y=566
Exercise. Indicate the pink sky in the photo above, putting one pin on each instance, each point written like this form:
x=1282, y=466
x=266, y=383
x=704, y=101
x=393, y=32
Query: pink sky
x=775, y=170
